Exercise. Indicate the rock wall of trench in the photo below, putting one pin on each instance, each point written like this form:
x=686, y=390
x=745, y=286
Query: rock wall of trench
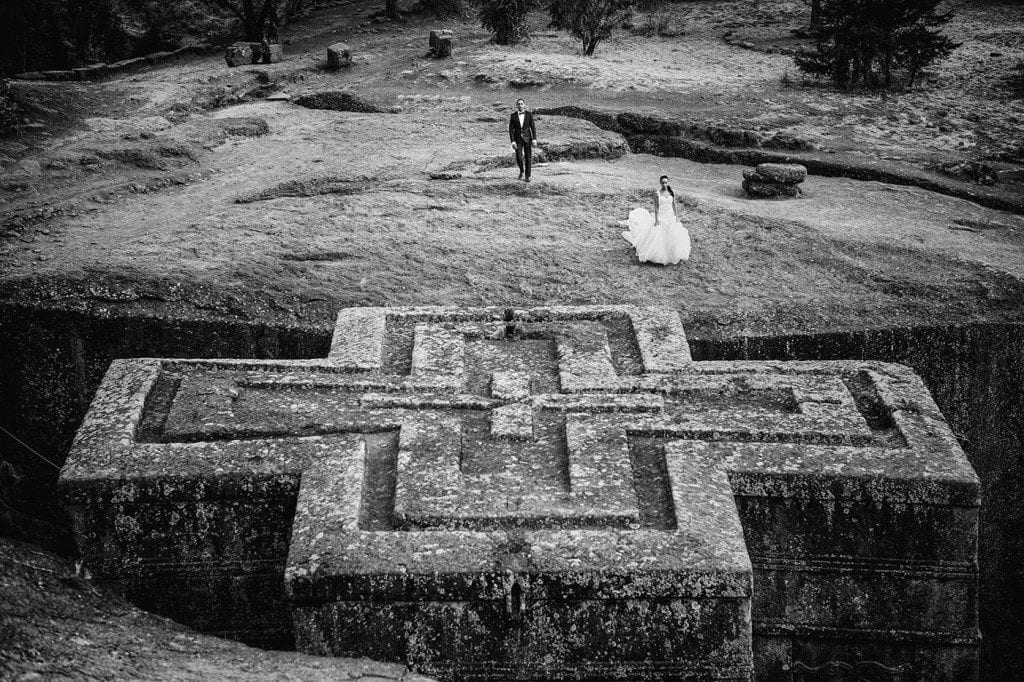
x=52, y=361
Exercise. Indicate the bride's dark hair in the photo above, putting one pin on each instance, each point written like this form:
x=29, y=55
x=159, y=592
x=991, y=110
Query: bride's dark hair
x=669, y=187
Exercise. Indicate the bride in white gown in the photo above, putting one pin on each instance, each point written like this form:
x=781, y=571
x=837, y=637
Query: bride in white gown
x=658, y=238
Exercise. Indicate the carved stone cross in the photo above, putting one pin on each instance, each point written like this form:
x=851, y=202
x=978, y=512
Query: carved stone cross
x=542, y=493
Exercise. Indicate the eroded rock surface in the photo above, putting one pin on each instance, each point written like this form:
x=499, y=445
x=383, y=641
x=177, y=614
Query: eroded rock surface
x=55, y=624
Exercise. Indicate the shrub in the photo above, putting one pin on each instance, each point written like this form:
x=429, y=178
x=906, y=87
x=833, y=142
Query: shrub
x=590, y=21
x=631, y=20
x=557, y=12
x=506, y=19
x=259, y=18
x=440, y=8
x=869, y=42
x=658, y=23
x=170, y=24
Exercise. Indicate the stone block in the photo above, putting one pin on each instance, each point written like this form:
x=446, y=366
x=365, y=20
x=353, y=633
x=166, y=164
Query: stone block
x=542, y=493
x=244, y=126
x=786, y=173
x=242, y=54
x=339, y=55
x=441, y=44
x=273, y=53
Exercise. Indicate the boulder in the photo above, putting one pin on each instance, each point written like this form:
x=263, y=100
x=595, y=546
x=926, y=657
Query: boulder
x=338, y=55
x=28, y=167
x=441, y=44
x=242, y=54
x=244, y=126
x=975, y=172
x=774, y=180
x=786, y=173
x=766, y=189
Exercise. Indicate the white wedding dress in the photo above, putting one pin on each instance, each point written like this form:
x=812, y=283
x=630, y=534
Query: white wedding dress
x=667, y=243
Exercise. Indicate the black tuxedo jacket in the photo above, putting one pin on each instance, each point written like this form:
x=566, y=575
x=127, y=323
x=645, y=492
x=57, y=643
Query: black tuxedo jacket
x=525, y=133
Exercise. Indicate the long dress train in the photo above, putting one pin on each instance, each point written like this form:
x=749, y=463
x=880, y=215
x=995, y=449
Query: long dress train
x=666, y=243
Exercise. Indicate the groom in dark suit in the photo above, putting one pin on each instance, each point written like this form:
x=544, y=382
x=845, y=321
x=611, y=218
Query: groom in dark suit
x=522, y=133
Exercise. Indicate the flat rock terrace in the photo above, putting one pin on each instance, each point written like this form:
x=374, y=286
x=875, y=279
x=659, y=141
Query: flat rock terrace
x=544, y=493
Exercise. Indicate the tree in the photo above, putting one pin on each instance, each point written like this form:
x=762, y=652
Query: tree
x=870, y=42
x=815, y=14
x=92, y=27
x=506, y=19
x=442, y=8
x=259, y=18
x=60, y=34
x=589, y=21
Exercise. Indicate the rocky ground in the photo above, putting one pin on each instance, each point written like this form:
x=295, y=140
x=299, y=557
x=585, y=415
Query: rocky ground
x=190, y=174
x=311, y=216
x=56, y=625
